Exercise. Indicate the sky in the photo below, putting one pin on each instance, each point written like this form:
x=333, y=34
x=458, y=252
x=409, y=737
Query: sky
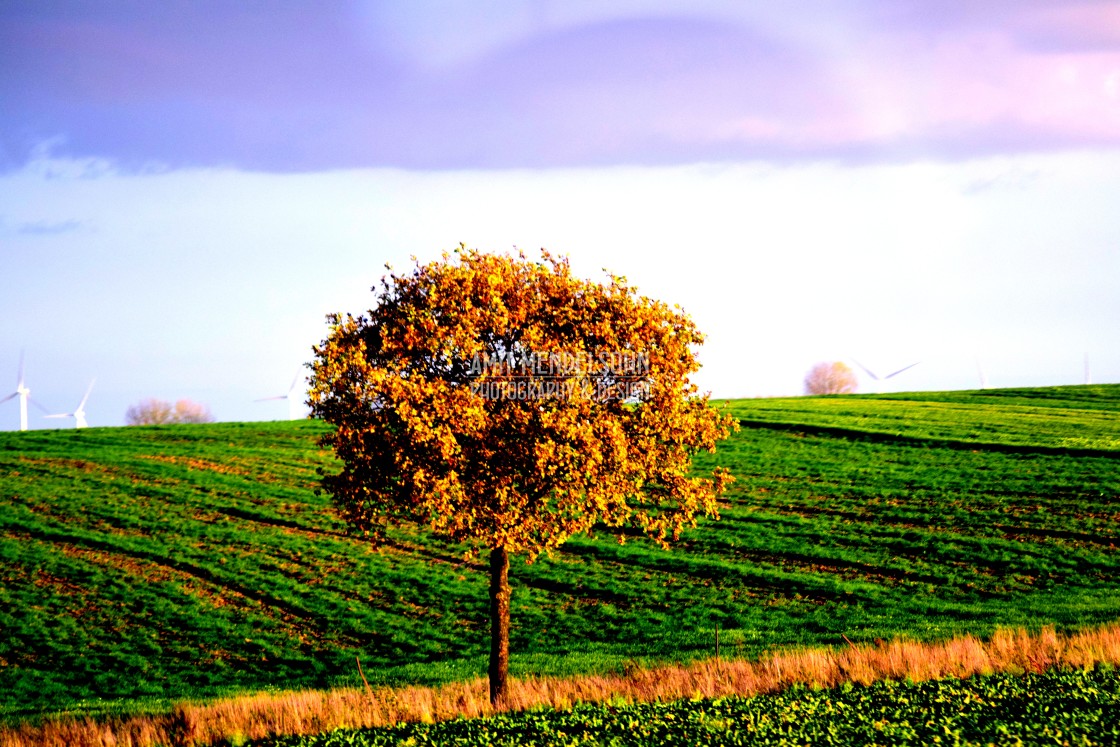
x=187, y=189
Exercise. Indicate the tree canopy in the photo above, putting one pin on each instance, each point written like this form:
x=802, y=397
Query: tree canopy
x=158, y=412
x=831, y=378
x=507, y=403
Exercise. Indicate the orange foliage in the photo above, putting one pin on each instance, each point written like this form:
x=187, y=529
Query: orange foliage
x=506, y=402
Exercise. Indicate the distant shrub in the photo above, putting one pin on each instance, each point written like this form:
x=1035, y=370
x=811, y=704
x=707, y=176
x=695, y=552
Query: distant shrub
x=157, y=412
x=830, y=378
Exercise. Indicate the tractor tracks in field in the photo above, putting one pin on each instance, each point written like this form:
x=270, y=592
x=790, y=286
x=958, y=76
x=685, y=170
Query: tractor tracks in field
x=200, y=573
x=855, y=434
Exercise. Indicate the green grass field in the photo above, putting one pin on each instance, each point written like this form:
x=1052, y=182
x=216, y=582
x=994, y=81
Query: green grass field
x=144, y=565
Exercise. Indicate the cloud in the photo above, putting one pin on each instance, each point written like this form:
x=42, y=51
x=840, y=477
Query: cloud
x=522, y=84
x=47, y=228
x=41, y=227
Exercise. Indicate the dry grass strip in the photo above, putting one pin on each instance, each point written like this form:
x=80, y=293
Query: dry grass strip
x=307, y=712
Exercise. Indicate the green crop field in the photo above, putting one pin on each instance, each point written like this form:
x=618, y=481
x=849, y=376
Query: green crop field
x=148, y=564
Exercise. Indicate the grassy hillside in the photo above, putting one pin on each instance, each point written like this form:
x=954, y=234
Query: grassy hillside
x=162, y=562
x=1047, y=420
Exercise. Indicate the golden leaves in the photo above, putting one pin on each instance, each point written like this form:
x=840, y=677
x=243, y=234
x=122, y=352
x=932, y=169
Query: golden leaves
x=515, y=451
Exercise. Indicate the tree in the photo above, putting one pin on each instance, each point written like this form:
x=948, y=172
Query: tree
x=505, y=403
x=157, y=412
x=830, y=378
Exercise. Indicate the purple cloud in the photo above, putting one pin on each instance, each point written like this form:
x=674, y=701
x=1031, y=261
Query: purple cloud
x=290, y=86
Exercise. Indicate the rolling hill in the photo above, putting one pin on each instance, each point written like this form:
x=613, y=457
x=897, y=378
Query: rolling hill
x=147, y=564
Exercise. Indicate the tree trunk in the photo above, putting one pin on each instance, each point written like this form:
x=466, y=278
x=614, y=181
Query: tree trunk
x=499, y=625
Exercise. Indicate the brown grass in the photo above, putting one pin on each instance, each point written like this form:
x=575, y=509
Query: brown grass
x=306, y=712
x=193, y=463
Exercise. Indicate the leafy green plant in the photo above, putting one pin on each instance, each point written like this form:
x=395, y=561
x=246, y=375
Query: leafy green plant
x=1058, y=707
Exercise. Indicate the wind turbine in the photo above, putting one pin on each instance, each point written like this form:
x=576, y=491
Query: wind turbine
x=878, y=379
x=24, y=395
x=983, y=376
x=293, y=402
x=79, y=414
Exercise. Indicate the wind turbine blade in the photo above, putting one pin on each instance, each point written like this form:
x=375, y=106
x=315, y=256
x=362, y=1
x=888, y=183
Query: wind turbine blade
x=21, y=369
x=293, y=386
x=269, y=399
x=36, y=403
x=865, y=369
x=88, y=390
x=59, y=415
x=13, y=395
x=896, y=373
